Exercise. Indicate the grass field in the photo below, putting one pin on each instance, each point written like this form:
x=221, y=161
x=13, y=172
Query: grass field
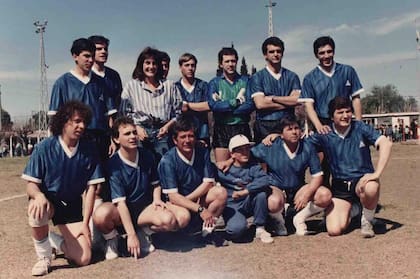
x=393, y=253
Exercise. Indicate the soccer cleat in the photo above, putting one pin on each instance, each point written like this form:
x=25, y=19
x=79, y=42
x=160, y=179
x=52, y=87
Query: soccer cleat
x=366, y=229
x=111, y=249
x=263, y=235
x=146, y=245
x=300, y=225
x=42, y=267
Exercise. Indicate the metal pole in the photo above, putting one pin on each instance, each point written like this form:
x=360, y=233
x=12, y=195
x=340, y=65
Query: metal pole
x=270, y=6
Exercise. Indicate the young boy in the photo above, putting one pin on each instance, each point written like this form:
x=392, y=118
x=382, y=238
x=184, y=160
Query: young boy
x=247, y=186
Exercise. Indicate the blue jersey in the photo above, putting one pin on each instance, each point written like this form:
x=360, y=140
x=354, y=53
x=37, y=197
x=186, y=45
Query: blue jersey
x=178, y=175
x=94, y=94
x=113, y=82
x=60, y=172
x=131, y=181
x=287, y=169
x=251, y=177
x=264, y=82
x=198, y=94
x=321, y=87
x=222, y=97
x=348, y=154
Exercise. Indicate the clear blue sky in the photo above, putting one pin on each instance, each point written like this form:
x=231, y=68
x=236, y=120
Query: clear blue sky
x=377, y=37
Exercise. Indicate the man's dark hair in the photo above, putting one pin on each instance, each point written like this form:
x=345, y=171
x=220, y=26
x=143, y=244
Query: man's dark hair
x=66, y=112
x=227, y=51
x=339, y=102
x=275, y=41
x=288, y=120
x=164, y=56
x=82, y=44
x=147, y=53
x=183, y=123
x=323, y=41
x=98, y=39
x=122, y=120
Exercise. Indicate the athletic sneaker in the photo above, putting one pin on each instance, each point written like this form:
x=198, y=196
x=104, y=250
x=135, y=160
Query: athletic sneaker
x=146, y=245
x=111, y=248
x=263, y=235
x=300, y=225
x=55, y=240
x=42, y=267
x=366, y=229
x=279, y=228
x=206, y=230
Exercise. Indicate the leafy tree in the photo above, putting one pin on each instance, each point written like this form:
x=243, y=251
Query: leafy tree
x=385, y=99
x=6, y=121
x=244, y=67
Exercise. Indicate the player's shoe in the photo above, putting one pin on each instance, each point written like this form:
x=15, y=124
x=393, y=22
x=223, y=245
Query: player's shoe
x=146, y=245
x=55, y=240
x=111, y=248
x=206, y=230
x=366, y=229
x=300, y=225
x=42, y=267
x=263, y=235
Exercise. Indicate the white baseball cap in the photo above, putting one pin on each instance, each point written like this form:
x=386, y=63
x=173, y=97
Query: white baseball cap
x=239, y=140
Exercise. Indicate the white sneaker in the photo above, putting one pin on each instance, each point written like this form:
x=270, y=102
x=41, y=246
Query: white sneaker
x=366, y=229
x=111, y=248
x=146, y=245
x=206, y=230
x=42, y=267
x=263, y=235
x=300, y=225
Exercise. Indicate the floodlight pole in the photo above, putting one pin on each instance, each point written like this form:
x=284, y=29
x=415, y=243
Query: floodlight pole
x=43, y=100
x=270, y=6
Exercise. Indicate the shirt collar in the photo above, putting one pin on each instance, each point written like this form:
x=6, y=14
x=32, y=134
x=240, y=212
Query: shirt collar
x=289, y=153
x=329, y=74
x=191, y=89
x=84, y=80
x=273, y=74
x=69, y=153
x=128, y=162
x=188, y=162
x=101, y=74
x=343, y=135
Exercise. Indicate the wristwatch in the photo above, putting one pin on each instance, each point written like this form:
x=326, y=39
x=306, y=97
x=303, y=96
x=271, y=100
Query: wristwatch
x=200, y=209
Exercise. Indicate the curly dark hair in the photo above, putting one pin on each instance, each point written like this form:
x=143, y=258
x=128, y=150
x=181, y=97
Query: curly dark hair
x=66, y=112
x=148, y=52
x=183, y=123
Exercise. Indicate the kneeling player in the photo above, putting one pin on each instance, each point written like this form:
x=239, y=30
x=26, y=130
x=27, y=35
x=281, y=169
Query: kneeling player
x=347, y=149
x=136, y=205
x=248, y=186
x=287, y=159
x=60, y=169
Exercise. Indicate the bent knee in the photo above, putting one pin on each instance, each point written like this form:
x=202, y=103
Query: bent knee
x=323, y=197
x=183, y=218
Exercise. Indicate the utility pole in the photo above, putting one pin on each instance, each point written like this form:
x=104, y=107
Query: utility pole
x=270, y=6
x=43, y=99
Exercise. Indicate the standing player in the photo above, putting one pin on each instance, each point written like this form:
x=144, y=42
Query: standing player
x=80, y=84
x=328, y=80
x=194, y=95
x=151, y=101
x=274, y=89
x=287, y=159
x=136, y=196
x=111, y=77
x=188, y=176
x=227, y=100
x=60, y=169
x=247, y=185
x=353, y=176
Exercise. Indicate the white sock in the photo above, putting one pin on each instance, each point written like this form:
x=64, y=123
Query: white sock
x=368, y=214
x=43, y=248
x=259, y=229
x=278, y=216
x=111, y=234
x=309, y=210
